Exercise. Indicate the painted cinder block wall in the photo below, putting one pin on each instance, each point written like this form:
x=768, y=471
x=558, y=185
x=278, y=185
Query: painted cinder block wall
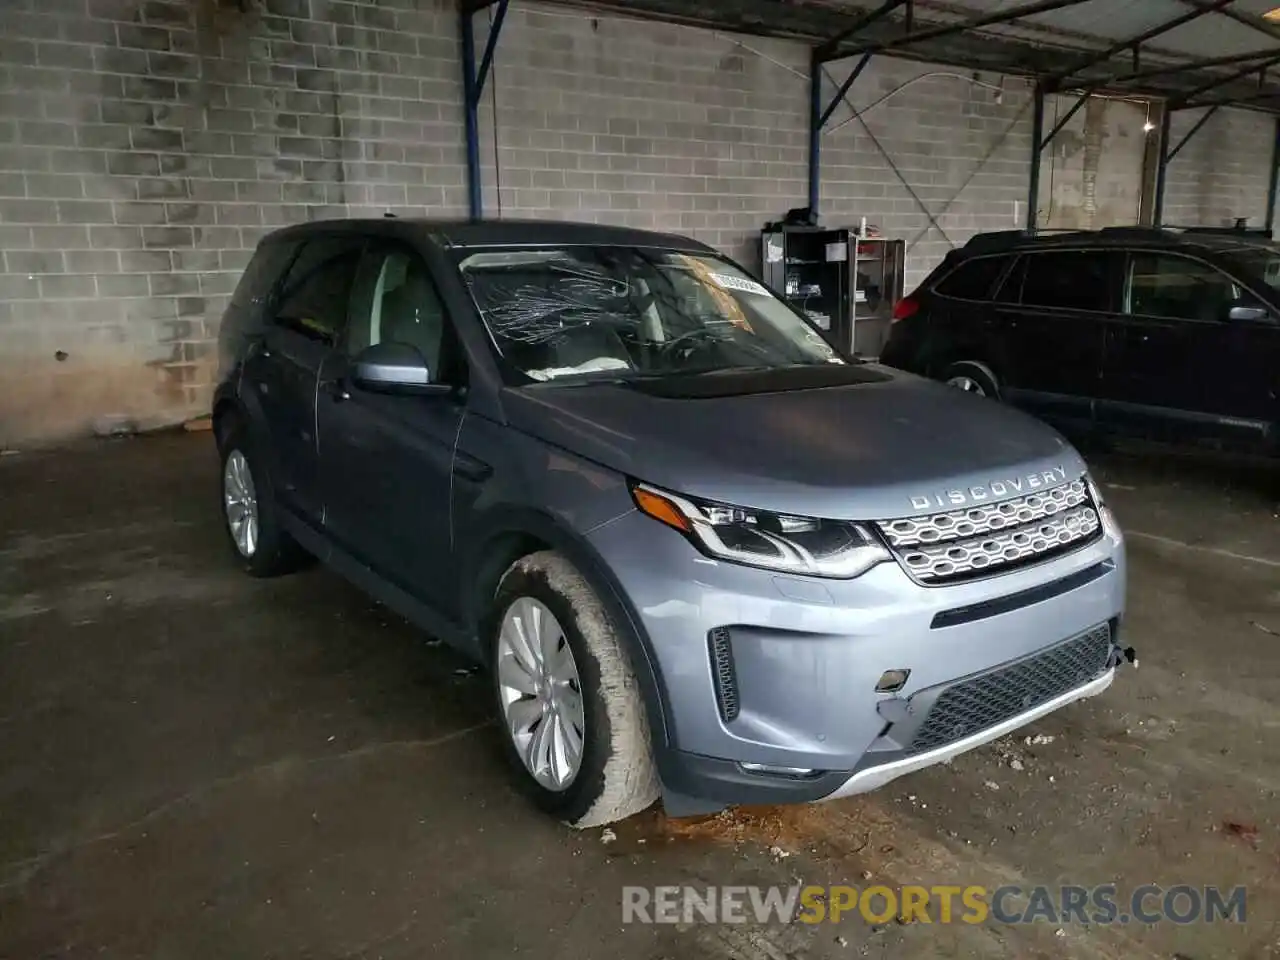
x=146, y=146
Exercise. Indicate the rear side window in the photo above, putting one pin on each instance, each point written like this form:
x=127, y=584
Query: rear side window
x=1072, y=280
x=317, y=291
x=264, y=269
x=973, y=279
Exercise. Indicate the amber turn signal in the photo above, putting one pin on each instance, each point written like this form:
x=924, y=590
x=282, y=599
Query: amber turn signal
x=660, y=508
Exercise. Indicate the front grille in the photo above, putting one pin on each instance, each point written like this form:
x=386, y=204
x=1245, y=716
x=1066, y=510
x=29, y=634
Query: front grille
x=963, y=544
x=980, y=702
x=723, y=673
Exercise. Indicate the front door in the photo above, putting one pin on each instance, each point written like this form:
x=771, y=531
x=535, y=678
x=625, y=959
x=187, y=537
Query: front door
x=1051, y=316
x=387, y=459
x=1179, y=366
x=283, y=368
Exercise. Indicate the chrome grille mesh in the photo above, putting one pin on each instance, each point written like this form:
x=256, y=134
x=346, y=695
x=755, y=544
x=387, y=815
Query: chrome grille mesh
x=986, y=518
x=967, y=543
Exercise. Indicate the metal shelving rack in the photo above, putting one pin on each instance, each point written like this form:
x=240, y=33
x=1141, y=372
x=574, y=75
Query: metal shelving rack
x=846, y=283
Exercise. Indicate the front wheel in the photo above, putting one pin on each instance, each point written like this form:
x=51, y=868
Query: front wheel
x=573, y=720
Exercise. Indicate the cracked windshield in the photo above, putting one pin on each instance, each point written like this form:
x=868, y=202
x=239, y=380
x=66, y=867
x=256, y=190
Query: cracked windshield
x=623, y=313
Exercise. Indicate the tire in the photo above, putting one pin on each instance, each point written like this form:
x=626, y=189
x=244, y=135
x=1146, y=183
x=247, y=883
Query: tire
x=270, y=551
x=973, y=377
x=614, y=775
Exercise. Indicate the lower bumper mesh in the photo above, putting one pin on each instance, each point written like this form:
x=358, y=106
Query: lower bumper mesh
x=973, y=705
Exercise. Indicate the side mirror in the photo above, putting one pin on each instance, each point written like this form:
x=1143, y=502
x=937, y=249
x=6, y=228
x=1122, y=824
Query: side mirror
x=1248, y=313
x=393, y=368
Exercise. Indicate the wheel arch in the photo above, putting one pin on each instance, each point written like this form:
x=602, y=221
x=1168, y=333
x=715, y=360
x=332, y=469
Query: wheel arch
x=512, y=533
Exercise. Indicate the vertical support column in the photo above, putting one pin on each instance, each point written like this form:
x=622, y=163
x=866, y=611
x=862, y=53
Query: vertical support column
x=1271, y=182
x=1162, y=166
x=1037, y=138
x=471, y=103
x=815, y=129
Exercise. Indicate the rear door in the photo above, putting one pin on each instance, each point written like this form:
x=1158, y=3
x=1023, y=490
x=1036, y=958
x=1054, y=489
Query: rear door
x=1178, y=366
x=1052, y=312
x=282, y=369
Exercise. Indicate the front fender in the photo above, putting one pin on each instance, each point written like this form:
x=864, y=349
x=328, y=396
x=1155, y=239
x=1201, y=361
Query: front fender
x=504, y=527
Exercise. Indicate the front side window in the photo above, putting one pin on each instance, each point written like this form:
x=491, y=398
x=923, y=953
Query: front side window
x=1070, y=280
x=396, y=302
x=314, y=297
x=1261, y=262
x=575, y=311
x=1178, y=288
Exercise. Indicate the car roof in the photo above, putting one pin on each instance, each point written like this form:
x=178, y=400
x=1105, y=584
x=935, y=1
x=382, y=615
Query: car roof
x=476, y=233
x=1203, y=240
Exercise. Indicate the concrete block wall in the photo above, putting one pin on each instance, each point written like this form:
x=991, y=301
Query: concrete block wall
x=646, y=124
x=1091, y=173
x=146, y=146
x=962, y=146
x=1222, y=172
x=706, y=134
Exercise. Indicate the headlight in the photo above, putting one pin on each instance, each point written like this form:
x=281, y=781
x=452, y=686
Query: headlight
x=1109, y=525
x=800, y=545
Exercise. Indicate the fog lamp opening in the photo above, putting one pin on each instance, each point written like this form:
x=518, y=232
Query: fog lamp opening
x=769, y=770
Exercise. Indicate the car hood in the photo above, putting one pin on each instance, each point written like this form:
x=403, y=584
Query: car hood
x=887, y=445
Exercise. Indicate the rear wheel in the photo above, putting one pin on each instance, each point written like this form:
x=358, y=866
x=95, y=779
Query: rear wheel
x=250, y=516
x=573, y=720
x=973, y=377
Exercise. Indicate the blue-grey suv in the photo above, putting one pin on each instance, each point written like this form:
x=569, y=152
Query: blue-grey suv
x=704, y=554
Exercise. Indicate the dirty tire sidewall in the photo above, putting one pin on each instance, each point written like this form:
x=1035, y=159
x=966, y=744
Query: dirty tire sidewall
x=277, y=553
x=617, y=776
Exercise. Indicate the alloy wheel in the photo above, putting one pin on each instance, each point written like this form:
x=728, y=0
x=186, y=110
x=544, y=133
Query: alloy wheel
x=540, y=693
x=240, y=500
x=968, y=385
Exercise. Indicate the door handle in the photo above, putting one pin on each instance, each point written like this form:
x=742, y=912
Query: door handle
x=471, y=469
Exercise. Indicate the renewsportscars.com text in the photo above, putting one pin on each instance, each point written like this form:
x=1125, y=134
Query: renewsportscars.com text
x=1103, y=904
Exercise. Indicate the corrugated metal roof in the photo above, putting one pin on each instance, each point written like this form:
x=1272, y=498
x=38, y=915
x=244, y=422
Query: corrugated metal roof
x=1051, y=45
x=1110, y=21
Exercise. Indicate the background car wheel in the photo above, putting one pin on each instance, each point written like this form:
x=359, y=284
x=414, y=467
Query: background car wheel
x=573, y=721
x=249, y=513
x=973, y=377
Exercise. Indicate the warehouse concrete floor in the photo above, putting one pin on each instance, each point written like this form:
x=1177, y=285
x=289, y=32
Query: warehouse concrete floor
x=195, y=764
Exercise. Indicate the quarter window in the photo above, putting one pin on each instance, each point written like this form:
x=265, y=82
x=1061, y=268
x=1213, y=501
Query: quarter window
x=973, y=279
x=1178, y=288
x=1069, y=280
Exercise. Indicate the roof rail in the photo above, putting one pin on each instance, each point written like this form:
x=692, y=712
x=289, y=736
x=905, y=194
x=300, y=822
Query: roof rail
x=1238, y=230
x=1004, y=239
x=999, y=239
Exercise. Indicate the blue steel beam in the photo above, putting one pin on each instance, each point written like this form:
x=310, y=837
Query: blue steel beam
x=473, y=83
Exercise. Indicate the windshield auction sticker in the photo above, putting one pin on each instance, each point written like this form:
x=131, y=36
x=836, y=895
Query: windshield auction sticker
x=740, y=284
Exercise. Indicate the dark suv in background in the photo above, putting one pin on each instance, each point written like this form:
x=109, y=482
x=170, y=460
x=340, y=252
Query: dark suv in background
x=1163, y=334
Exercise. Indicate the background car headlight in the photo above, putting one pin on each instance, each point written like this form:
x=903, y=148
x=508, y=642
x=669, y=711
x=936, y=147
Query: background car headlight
x=801, y=545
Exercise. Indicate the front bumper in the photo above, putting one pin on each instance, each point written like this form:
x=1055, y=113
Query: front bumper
x=807, y=654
